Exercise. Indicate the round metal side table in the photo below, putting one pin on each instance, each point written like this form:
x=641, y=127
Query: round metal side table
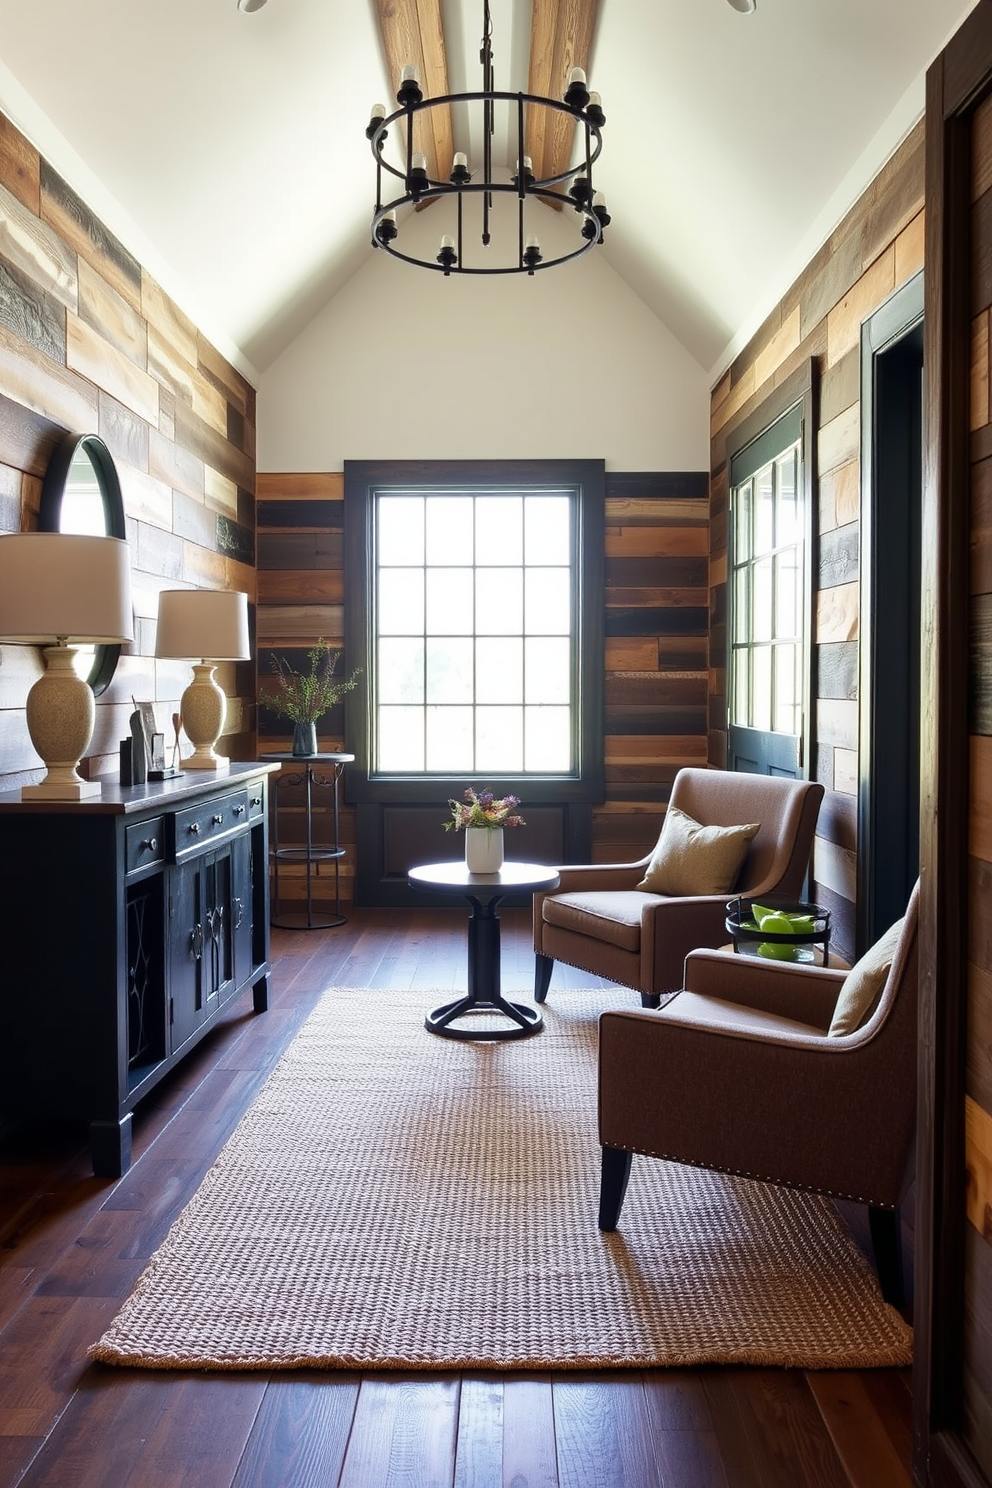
x=316, y=773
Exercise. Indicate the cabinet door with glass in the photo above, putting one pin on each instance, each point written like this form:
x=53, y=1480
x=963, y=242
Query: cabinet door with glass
x=769, y=587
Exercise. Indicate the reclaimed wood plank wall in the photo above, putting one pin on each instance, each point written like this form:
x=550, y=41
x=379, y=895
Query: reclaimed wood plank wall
x=978, y=1079
x=656, y=622
x=876, y=248
x=90, y=343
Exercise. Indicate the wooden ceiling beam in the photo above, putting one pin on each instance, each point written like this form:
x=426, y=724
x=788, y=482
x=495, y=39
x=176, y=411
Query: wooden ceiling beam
x=562, y=34
x=411, y=32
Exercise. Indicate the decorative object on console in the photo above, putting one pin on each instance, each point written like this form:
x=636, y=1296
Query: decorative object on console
x=57, y=589
x=212, y=624
x=532, y=117
x=304, y=697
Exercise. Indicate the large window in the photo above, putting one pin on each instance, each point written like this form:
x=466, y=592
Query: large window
x=475, y=632
x=475, y=607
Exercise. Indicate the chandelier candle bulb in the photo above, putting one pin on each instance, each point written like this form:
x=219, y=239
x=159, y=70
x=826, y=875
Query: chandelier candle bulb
x=577, y=75
x=460, y=159
x=410, y=74
x=419, y=162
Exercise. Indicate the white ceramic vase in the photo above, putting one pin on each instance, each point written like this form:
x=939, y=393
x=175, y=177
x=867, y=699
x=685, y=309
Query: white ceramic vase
x=483, y=849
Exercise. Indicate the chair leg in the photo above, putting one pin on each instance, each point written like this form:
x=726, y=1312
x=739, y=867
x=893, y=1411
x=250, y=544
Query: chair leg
x=543, y=967
x=614, y=1174
x=886, y=1240
x=650, y=999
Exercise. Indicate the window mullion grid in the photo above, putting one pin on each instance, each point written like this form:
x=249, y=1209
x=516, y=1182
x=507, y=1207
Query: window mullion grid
x=423, y=654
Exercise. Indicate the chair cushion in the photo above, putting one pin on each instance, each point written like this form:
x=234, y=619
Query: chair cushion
x=862, y=988
x=692, y=859
x=611, y=915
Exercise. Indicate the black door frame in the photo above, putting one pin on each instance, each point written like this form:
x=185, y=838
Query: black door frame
x=889, y=636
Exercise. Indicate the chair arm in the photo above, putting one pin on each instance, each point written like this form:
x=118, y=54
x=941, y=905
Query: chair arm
x=806, y=993
x=587, y=877
x=671, y=928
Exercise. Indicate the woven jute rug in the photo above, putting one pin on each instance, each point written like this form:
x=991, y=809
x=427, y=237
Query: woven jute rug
x=394, y=1199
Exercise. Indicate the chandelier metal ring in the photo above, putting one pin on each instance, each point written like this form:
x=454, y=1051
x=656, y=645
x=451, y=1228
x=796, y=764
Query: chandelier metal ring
x=420, y=189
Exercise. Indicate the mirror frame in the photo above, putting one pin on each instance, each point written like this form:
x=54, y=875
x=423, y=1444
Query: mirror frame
x=105, y=657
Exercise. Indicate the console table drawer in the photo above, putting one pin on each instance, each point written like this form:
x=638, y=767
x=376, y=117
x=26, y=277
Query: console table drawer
x=144, y=844
x=200, y=826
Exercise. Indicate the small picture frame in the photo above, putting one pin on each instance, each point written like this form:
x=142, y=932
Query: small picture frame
x=146, y=717
x=158, y=752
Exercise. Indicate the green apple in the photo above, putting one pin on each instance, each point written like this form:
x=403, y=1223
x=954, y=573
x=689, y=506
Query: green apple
x=776, y=924
x=775, y=952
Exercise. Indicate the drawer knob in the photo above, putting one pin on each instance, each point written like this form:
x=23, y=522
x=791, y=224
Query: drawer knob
x=149, y=844
x=256, y=800
x=239, y=810
x=218, y=819
x=194, y=829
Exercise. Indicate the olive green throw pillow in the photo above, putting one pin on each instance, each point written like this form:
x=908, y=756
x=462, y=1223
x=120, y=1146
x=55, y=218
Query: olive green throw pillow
x=863, y=984
x=693, y=859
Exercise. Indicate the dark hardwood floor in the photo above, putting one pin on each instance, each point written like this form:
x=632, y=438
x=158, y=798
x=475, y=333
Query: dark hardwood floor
x=72, y=1246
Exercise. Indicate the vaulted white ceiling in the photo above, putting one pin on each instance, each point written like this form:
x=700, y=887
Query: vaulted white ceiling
x=228, y=150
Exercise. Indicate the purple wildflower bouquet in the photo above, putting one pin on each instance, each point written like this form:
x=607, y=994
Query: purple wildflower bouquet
x=482, y=809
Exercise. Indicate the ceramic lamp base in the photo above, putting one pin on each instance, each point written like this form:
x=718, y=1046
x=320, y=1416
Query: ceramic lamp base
x=204, y=708
x=60, y=717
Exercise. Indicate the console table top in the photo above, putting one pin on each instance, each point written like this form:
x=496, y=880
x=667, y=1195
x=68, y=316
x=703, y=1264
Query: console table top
x=124, y=800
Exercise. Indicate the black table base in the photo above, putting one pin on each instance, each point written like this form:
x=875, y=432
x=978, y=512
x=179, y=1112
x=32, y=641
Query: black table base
x=483, y=986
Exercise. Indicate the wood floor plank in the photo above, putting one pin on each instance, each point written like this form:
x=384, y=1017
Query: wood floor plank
x=479, y=1447
x=138, y=1429
x=43, y=1358
x=301, y=1432
x=530, y=1457
x=857, y=1430
x=603, y=1432
x=770, y=1432
x=891, y=1391
x=404, y=1433
x=686, y=1447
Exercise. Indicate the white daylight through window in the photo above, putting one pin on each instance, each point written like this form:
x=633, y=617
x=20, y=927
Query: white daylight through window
x=474, y=632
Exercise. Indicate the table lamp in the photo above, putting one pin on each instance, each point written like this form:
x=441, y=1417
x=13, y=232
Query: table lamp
x=58, y=589
x=212, y=624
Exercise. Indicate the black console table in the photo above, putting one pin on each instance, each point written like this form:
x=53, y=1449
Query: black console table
x=136, y=918
x=320, y=773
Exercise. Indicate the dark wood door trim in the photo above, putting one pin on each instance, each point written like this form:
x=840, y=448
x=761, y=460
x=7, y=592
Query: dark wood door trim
x=953, y=85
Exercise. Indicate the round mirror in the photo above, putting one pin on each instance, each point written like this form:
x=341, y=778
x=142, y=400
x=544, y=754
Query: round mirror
x=82, y=493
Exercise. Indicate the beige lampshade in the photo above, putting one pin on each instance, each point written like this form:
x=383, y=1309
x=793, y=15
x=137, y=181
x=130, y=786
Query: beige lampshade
x=212, y=623
x=66, y=586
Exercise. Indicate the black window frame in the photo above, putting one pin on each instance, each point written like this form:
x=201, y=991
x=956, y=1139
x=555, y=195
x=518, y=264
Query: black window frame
x=363, y=480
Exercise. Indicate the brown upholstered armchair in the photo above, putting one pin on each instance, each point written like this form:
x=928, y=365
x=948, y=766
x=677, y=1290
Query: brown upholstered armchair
x=749, y=1070
x=598, y=920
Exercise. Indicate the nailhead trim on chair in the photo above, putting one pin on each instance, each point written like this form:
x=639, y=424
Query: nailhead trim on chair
x=831, y=1193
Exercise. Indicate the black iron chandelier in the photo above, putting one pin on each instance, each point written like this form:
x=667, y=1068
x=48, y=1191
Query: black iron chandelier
x=572, y=188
